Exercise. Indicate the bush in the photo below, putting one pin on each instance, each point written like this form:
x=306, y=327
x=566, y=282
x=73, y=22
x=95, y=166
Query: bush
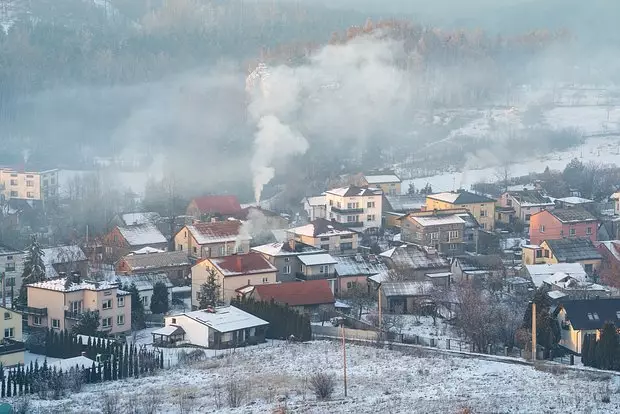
x=110, y=404
x=322, y=385
x=606, y=399
x=234, y=394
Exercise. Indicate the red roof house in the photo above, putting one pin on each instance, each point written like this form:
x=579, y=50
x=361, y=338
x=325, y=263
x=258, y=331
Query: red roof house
x=308, y=295
x=222, y=205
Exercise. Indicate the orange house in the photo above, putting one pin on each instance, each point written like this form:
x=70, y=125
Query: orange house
x=562, y=223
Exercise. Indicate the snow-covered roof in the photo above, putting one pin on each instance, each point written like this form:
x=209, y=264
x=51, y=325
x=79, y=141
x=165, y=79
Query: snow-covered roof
x=354, y=191
x=575, y=200
x=317, y=259
x=541, y=272
x=147, y=250
x=156, y=260
x=169, y=330
x=460, y=197
x=380, y=278
x=217, y=232
x=438, y=220
x=438, y=275
x=414, y=257
x=225, y=319
x=321, y=228
x=142, y=234
x=59, y=285
x=352, y=266
x=131, y=219
x=61, y=254
x=316, y=201
x=556, y=294
x=67, y=364
x=284, y=249
x=406, y=288
x=143, y=281
x=382, y=179
x=242, y=264
x=339, y=304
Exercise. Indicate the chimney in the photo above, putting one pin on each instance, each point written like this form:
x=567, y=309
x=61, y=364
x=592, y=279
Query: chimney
x=239, y=264
x=83, y=353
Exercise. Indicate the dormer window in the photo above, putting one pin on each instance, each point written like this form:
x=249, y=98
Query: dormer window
x=593, y=316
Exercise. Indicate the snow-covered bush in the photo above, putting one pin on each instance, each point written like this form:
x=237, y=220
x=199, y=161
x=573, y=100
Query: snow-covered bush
x=322, y=385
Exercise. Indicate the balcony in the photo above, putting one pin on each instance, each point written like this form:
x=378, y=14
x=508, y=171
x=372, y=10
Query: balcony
x=30, y=310
x=354, y=224
x=9, y=346
x=347, y=210
x=318, y=276
x=76, y=316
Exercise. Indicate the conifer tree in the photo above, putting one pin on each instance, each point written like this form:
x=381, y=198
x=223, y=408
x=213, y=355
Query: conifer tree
x=159, y=300
x=34, y=269
x=607, y=348
x=209, y=291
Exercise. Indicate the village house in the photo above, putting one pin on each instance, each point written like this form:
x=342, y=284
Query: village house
x=232, y=272
x=122, y=240
x=49, y=184
x=405, y=296
x=12, y=348
x=12, y=267
x=444, y=233
x=476, y=268
x=414, y=262
x=571, y=202
x=388, y=183
x=317, y=267
x=315, y=207
x=355, y=207
x=563, y=286
x=354, y=271
x=213, y=206
x=578, y=318
x=561, y=223
x=396, y=206
x=609, y=272
x=285, y=257
x=19, y=184
x=136, y=218
x=525, y=203
x=213, y=328
x=327, y=235
x=59, y=305
x=481, y=207
x=311, y=297
x=580, y=250
x=176, y=265
x=214, y=239
x=145, y=282
x=540, y=272
x=64, y=260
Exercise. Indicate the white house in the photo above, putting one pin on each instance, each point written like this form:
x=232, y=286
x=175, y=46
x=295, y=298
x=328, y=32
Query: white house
x=359, y=208
x=315, y=207
x=220, y=327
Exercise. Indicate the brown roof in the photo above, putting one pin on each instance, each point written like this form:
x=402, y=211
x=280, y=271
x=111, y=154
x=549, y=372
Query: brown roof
x=218, y=204
x=311, y=292
x=243, y=264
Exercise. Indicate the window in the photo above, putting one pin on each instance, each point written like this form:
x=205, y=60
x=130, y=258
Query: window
x=546, y=253
x=331, y=202
x=325, y=239
x=106, y=322
x=346, y=246
x=222, y=250
x=509, y=202
x=588, y=268
x=13, y=175
x=483, y=213
x=7, y=315
x=29, y=183
x=9, y=257
x=56, y=323
x=76, y=306
x=13, y=182
x=145, y=300
x=561, y=232
x=174, y=320
x=527, y=217
x=453, y=234
x=120, y=320
x=483, y=225
x=30, y=194
x=186, y=234
x=593, y=316
x=180, y=247
x=370, y=204
x=29, y=176
x=370, y=217
x=9, y=332
x=107, y=293
x=351, y=206
x=265, y=280
x=240, y=248
x=351, y=219
x=351, y=285
x=571, y=231
x=9, y=267
x=589, y=231
x=120, y=301
x=346, y=236
x=324, y=269
x=287, y=259
x=36, y=320
x=10, y=281
x=434, y=236
x=538, y=254
x=197, y=295
x=286, y=270
x=14, y=194
x=541, y=228
x=107, y=304
x=453, y=246
x=338, y=204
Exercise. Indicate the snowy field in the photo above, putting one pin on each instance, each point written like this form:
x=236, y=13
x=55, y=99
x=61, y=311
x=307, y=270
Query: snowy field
x=276, y=376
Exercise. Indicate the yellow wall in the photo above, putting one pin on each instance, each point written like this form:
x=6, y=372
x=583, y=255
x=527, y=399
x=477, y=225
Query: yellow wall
x=185, y=239
x=24, y=183
x=596, y=263
x=488, y=221
x=334, y=241
x=14, y=321
x=389, y=188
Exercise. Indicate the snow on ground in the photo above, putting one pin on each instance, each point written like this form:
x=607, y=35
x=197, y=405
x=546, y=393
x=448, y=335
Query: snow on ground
x=378, y=381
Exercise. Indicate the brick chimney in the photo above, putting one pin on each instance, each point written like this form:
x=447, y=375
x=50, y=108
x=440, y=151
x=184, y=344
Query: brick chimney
x=239, y=264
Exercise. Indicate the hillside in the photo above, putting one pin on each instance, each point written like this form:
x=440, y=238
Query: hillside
x=378, y=381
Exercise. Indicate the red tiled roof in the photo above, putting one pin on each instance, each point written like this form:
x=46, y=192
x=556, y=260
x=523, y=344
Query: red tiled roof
x=218, y=204
x=311, y=292
x=241, y=264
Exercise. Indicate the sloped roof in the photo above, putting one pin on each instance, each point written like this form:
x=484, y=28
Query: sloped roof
x=169, y=330
x=284, y=249
x=142, y=234
x=351, y=266
x=61, y=254
x=59, y=285
x=131, y=219
x=156, y=260
x=311, y=292
x=216, y=232
x=479, y=262
x=354, y=191
x=226, y=319
x=382, y=179
x=540, y=272
x=316, y=201
x=571, y=215
x=144, y=281
x=403, y=203
x=437, y=220
x=321, y=228
x=590, y=314
x=414, y=257
x=242, y=264
x=531, y=198
x=8, y=250
x=460, y=197
x=613, y=246
x=317, y=259
x=406, y=288
x=218, y=204
x=575, y=200
x=573, y=250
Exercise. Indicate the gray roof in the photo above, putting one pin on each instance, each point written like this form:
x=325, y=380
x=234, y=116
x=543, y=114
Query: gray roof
x=404, y=203
x=144, y=281
x=572, y=215
x=573, y=250
x=590, y=314
x=352, y=266
x=156, y=260
x=530, y=197
x=407, y=288
x=414, y=257
x=461, y=197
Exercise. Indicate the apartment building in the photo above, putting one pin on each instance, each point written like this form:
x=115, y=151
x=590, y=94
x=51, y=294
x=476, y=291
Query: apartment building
x=442, y=232
x=355, y=207
x=326, y=235
x=481, y=207
x=389, y=183
x=58, y=304
x=20, y=185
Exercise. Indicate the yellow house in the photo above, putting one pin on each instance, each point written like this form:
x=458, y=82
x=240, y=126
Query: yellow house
x=232, y=273
x=481, y=207
x=578, y=250
x=389, y=183
x=214, y=239
x=327, y=235
x=24, y=185
x=11, y=346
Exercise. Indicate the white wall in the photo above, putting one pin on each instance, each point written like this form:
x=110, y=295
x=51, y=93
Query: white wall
x=195, y=332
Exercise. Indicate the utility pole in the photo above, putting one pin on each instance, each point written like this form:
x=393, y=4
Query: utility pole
x=533, y=331
x=380, y=313
x=344, y=357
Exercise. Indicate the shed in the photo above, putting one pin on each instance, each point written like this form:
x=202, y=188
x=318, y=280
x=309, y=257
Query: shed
x=168, y=335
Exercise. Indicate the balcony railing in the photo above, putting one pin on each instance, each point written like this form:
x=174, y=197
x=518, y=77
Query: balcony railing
x=347, y=210
x=76, y=315
x=354, y=224
x=9, y=346
x=318, y=276
x=30, y=310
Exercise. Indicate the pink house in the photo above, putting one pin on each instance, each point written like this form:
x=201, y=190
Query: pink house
x=562, y=223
